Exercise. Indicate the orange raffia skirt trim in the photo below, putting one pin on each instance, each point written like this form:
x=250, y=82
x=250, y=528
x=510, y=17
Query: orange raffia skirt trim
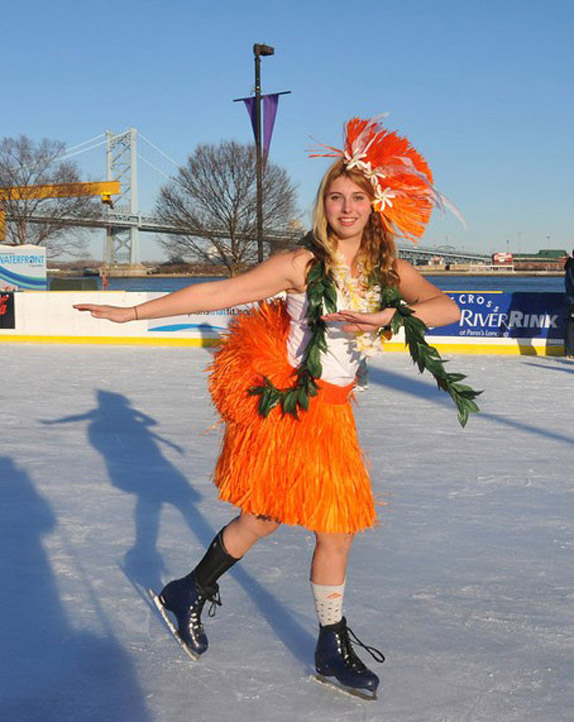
x=308, y=472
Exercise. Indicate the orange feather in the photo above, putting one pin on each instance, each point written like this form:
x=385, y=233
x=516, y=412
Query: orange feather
x=403, y=172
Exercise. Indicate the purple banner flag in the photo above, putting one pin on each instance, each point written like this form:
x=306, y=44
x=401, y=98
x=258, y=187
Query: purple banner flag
x=250, y=105
x=270, y=104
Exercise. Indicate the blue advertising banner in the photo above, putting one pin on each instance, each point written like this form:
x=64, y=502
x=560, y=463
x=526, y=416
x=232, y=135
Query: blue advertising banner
x=507, y=315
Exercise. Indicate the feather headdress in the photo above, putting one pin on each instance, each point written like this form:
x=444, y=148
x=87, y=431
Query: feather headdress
x=401, y=178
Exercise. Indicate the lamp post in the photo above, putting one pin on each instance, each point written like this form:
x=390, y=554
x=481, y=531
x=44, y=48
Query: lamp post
x=259, y=50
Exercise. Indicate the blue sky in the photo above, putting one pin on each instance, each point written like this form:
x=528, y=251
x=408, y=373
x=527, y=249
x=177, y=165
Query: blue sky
x=484, y=91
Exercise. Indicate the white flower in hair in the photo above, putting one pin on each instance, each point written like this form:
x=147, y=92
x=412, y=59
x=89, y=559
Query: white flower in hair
x=380, y=154
x=383, y=199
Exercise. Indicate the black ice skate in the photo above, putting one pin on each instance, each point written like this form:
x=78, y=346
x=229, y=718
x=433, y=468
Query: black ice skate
x=185, y=599
x=336, y=658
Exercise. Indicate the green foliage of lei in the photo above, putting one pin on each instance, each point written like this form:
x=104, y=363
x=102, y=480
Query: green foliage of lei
x=425, y=356
x=321, y=298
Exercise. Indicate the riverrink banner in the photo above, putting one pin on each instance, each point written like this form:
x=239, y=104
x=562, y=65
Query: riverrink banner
x=494, y=315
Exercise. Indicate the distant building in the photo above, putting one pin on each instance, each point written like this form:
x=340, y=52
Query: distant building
x=544, y=260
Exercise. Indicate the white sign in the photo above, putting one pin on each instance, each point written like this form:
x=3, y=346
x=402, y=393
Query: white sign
x=23, y=268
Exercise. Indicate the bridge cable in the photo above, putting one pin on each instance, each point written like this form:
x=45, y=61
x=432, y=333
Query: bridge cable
x=91, y=140
x=68, y=155
x=159, y=150
x=161, y=172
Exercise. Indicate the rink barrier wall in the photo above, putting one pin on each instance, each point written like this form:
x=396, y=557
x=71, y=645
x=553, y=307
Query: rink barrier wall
x=537, y=326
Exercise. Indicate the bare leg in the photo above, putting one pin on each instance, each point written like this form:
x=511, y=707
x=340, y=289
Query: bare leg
x=244, y=531
x=329, y=565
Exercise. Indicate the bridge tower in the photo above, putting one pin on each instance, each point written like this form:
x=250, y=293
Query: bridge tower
x=122, y=242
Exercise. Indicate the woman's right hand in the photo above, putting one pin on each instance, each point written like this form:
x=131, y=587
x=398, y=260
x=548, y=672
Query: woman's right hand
x=117, y=314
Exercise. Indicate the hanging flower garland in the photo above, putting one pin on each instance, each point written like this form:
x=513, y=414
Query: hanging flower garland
x=359, y=295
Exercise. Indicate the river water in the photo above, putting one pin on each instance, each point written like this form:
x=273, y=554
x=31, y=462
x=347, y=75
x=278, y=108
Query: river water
x=467, y=282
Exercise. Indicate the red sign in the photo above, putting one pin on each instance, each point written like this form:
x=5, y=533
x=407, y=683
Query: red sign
x=502, y=259
x=7, y=310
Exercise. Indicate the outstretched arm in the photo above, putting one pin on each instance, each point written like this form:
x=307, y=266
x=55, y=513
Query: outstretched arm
x=428, y=302
x=279, y=273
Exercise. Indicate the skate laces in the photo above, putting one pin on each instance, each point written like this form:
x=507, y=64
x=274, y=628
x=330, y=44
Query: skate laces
x=215, y=601
x=376, y=654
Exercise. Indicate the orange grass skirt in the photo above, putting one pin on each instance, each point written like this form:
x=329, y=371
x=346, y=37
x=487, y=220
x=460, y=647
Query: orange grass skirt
x=309, y=472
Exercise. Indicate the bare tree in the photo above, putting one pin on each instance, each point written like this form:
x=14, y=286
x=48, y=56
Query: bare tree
x=26, y=163
x=213, y=200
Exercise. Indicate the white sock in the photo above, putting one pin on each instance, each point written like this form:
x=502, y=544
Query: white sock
x=328, y=602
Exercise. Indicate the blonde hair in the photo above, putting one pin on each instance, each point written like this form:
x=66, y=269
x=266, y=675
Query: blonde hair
x=378, y=248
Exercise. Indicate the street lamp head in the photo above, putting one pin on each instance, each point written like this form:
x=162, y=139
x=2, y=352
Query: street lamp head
x=260, y=49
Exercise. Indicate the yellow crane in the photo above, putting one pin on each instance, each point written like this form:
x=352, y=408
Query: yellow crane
x=105, y=189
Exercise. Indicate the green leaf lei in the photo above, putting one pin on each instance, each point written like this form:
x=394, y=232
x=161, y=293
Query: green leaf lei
x=321, y=298
x=425, y=356
x=321, y=295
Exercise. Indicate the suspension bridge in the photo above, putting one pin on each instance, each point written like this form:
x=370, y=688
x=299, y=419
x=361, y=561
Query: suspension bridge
x=123, y=222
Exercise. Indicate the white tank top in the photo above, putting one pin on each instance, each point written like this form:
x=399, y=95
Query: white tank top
x=340, y=362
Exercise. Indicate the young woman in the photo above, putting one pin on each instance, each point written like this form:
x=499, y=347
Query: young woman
x=282, y=379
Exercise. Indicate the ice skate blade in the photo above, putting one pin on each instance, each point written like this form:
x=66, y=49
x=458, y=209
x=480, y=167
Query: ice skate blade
x=171, y=626
x=349, y=691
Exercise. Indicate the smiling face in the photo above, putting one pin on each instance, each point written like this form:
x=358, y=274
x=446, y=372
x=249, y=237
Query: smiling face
x=347, y=209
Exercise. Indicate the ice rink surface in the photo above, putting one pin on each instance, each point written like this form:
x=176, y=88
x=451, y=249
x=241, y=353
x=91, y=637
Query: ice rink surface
x=467, y=586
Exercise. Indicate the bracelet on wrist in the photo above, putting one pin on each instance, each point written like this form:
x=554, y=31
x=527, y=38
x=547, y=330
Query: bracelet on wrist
x=137, y=318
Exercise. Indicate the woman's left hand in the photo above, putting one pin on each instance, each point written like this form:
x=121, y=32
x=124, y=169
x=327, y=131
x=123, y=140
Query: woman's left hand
x=355, y=322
